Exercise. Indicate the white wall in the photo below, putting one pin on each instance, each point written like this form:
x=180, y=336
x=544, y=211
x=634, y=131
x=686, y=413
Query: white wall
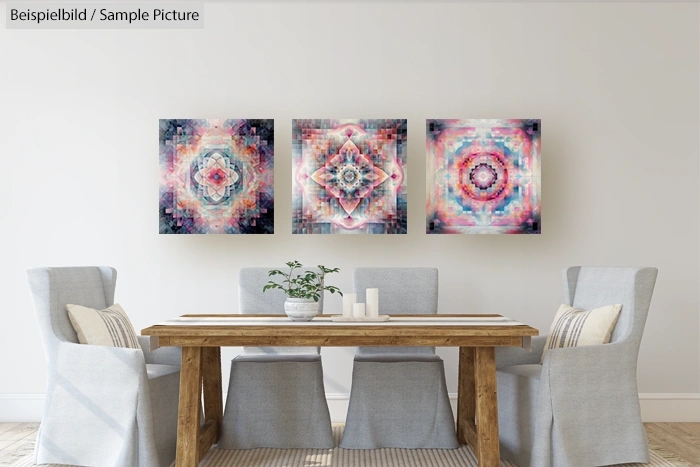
x=616, y=87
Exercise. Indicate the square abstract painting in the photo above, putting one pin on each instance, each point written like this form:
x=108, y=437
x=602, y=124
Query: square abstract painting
x=216, y=176
x=349, y=176
x=483, y=177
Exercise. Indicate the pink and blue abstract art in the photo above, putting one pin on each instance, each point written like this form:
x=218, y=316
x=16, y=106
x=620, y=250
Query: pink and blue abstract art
x=483, y=177
x=216, y=176
x=349, y=176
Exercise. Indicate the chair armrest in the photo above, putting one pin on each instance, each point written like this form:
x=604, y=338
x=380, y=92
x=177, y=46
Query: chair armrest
x=93, y=398
x=83, y=357
x=594, y=387
x=509, y=356
x=613, y=365
x=162, y=355
x=104, y=380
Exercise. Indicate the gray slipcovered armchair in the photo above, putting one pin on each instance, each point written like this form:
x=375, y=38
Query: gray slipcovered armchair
x=580, y=408
x=399, y=396
x=105, y=406
x=276, y=396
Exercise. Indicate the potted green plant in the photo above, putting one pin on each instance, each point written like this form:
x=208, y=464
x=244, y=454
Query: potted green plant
x=303, y=289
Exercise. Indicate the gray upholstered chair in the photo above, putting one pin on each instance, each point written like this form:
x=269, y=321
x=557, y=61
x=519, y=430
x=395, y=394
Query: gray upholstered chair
x=276, y=397
x=580, y=408
x=399, y=395
x=105, y=406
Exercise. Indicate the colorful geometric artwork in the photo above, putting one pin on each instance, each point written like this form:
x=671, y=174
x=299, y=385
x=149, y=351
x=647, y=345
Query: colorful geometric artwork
x=216, y=176
x=483, y=176
x=349, y=176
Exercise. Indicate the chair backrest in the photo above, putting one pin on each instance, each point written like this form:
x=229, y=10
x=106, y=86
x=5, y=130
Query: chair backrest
x=54, y=288
x=253, y=301
x=402, y=291
x=591, y=287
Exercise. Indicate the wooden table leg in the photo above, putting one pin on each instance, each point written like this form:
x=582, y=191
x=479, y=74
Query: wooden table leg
x=189, y=409
x=466, y=398
x=489, y=454
x=213, y=403
x=477, y=404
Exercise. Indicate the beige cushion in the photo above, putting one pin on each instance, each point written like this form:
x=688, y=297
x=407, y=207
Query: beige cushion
x=573, y=327
x=110, y=327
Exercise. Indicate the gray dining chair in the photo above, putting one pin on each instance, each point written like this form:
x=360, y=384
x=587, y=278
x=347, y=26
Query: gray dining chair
x=580, y=407
x=105, y=406
x=399, y=395
x=276, y=397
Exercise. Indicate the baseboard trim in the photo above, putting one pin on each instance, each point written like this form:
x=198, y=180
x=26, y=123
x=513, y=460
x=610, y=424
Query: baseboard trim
x=21, y=407
x=670, y=407
x=659, y=396
x=656, y=407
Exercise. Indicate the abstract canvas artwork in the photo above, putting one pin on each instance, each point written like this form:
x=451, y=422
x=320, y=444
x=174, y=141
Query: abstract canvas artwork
x=216, y=176
x=483, y=177
x=349, y=176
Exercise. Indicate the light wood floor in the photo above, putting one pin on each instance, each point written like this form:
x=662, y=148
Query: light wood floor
x=681, y=439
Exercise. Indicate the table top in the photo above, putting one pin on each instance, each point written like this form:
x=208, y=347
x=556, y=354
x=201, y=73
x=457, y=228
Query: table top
x=321, y=325
x=326, y=320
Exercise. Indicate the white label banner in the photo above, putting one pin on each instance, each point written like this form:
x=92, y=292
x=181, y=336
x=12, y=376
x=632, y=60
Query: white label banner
x=105, y=16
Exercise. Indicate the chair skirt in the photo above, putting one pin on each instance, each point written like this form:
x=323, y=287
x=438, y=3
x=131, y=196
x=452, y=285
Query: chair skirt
x=276, y=401
x=399, y=401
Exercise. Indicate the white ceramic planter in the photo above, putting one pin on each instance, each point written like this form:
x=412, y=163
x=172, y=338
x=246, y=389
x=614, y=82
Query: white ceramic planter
x=301, y=309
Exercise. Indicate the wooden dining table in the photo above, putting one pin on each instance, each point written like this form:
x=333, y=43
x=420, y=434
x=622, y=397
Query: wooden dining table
x=202, y=336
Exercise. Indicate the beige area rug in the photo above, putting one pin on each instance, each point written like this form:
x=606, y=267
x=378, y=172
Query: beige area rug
x=359, y=458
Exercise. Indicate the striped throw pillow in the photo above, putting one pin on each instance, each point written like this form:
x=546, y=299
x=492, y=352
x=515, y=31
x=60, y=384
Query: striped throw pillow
x=573, y=327
x=110, y=327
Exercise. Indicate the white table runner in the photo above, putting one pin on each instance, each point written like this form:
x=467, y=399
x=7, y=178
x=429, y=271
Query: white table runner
x=325, y=320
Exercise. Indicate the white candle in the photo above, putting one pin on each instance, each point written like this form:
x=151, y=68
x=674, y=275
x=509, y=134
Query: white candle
x=372, y=303
x=349, y=300
x=358, y=310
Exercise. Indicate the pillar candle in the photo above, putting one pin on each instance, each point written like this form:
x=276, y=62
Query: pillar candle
x=358, y=310
x=349, y=300
x=372, y=303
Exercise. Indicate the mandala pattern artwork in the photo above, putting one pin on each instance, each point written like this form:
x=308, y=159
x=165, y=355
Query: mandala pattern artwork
x=483, y=176
x=216, y=176
x=349, y=177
